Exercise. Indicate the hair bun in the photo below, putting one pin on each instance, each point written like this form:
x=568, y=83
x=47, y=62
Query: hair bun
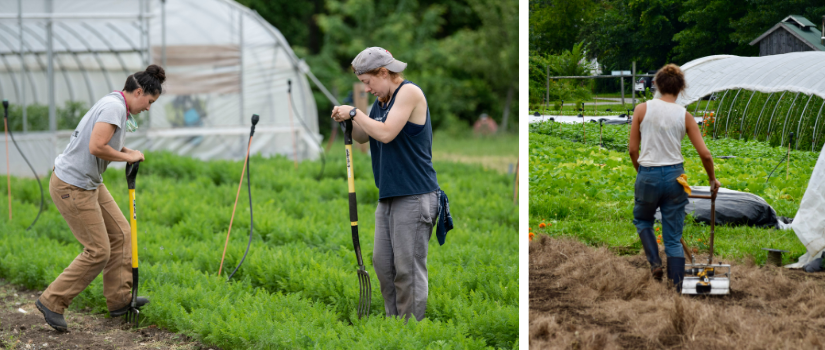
x=157, y=72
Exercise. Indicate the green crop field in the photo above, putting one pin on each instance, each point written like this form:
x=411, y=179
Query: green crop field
x=580, y=189
x=298, y=286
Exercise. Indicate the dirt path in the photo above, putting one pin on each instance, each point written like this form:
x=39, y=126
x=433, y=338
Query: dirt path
x=590, y=298
x=27, y=330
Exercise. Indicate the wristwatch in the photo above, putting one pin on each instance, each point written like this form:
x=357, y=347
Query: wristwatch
x=352, y=113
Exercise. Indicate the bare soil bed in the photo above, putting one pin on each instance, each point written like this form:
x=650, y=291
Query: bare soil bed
x=22, y=327
x=590, y=298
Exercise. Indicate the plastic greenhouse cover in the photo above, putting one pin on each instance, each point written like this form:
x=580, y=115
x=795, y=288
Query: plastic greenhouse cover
x=796, y=72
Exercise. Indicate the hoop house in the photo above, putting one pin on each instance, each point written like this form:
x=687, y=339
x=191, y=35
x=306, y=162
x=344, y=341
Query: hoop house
x=223, y=63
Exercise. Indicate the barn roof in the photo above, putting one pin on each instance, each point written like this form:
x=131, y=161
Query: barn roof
x=801, y=28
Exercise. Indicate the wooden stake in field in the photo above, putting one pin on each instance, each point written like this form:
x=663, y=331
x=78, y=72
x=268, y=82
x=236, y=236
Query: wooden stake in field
x=235, y=206
x=291, y=132
x=515, y=190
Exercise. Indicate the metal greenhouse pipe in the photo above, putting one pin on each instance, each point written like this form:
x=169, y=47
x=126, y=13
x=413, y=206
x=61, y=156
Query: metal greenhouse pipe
x=85, y=43
x=756, y=128
x=798, y=125
x=13, y=79
x=50, y=74
x=28, y=73
x=730, y=108
x=108, y=44
x=57, y=57
x=785, y=124
x=721, y=104
x=742, y=124
x=81, y=68
x=705, y=112
x=697, y=105
x=22, y=67
x=815, y=124
x=768, y=135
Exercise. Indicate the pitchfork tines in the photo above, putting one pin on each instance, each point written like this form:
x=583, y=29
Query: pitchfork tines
x=133, y=316
x=365, y=294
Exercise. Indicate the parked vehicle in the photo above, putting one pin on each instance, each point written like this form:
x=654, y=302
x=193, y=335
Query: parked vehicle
x=645, y=82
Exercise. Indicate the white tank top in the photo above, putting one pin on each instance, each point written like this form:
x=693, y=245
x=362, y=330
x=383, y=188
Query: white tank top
x=663, y=129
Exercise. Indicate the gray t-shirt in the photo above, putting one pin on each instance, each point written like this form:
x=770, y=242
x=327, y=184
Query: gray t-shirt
x=76, y=165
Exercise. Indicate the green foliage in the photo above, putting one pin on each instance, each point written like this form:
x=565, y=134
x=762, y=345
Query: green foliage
x=572, y=62
x=709, y=29
x=656, y=32
x=555, y=25
x=587, y=191
x=37, y=116
x=443, y=59
x=298, y=287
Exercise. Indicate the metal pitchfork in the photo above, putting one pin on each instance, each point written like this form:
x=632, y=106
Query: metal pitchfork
x=365, y=294
x=133, y=315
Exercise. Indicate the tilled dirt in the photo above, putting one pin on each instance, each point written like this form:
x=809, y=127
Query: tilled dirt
x=22, y=327
x=589, y=298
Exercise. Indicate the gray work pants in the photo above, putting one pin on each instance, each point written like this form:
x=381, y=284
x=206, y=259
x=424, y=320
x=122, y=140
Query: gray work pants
x=403, y=226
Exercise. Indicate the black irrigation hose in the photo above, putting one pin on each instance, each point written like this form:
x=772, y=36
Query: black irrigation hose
x=292, y=102
x=788, y=155
x=6, y=116
x=249, y=190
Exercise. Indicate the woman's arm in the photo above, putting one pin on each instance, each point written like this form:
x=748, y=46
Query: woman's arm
x=695, y=136
x=405, y=102
x=636, y=134
x=358, y=134
x=99, y=145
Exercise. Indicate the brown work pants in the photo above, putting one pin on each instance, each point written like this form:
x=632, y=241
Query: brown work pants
x=99, y=225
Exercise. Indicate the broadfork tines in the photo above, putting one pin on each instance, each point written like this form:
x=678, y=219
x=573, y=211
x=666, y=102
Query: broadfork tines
x=133, y=316
x=365, y=293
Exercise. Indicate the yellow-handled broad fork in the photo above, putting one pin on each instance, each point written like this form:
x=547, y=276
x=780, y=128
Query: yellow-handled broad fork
x=133, y=315
x=365, y=287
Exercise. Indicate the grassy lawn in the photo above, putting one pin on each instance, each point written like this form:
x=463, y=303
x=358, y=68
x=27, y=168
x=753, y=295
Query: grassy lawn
x=496, y=152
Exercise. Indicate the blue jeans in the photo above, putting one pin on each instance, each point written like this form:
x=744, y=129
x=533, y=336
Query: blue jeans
x=656, y=187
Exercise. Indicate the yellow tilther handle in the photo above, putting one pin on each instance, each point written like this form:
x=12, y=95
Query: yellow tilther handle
x=133, y=224
x=131, y=174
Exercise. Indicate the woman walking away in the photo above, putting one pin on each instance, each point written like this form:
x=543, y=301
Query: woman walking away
x=78, y=192
x=399, y=130
x=660, y=125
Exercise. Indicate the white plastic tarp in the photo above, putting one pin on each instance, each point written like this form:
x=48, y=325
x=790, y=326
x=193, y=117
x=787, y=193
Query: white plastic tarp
x=809, y=223
x=802, y=72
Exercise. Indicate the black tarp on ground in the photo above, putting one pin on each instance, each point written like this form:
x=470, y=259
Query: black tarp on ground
x=732, y=208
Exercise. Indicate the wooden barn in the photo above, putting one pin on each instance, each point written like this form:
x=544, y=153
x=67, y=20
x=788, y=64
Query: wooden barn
x=792, y=34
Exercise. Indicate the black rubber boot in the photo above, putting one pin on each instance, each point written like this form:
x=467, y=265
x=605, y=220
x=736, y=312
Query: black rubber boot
x=676, y=272
x=122, y=311
x=54, y=319
x=652, y=252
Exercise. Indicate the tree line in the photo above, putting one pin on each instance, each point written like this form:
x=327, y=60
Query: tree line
x=463, y=53
x=653, y=32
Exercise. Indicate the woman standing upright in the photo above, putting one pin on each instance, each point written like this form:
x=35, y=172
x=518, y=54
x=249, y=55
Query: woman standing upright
x=78, y=192
x=399, y=130
x=660, y=125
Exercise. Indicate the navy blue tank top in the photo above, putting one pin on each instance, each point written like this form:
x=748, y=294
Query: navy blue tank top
x=403, y=167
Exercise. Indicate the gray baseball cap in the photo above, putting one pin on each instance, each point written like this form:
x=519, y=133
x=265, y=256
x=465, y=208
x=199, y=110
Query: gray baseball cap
x=376, y=57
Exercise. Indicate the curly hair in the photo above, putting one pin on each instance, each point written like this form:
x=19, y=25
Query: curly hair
x=670, y=80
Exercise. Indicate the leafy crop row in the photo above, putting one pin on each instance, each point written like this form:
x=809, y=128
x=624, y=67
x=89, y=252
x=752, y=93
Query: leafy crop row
x=298, y=287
